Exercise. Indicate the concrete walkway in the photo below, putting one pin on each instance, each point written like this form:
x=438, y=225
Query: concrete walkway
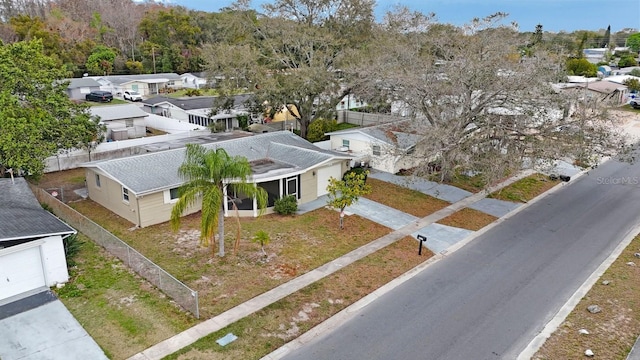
x=259, y=302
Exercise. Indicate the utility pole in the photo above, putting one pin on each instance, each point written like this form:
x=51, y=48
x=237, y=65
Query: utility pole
x=153, y=56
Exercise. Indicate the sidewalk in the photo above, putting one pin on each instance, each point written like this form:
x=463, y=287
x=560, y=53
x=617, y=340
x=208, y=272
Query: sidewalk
x=259, y=302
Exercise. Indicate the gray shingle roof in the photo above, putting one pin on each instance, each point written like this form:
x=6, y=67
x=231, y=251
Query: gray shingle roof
x=22, y=217
x=82, y=82
x=157, y=171
x=116, y=112
x=196, y=102
x=386, y=133
x=121, y=79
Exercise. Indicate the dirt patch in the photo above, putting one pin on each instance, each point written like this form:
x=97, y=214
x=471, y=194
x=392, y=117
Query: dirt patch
x=469, y=219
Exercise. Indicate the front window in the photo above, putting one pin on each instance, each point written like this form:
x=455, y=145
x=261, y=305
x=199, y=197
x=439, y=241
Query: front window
x=345, y=142
x=291, y=187
x=125, y=194
x=376, y=149
x=129, y=122
x=98, y=180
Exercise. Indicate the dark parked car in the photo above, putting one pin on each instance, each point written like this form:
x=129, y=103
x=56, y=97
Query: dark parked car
x=99, y=96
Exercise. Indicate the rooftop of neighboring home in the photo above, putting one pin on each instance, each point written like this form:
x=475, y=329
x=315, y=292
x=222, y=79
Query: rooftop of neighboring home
x=22, y=217
x=146, y=78
x=196, y=102
x=75, y=83
x=118, y=112
x=391, y=133
x=271, y=154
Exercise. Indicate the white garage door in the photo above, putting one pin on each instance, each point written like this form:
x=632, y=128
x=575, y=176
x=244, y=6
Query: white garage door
x=20, y=272
x=324, y=174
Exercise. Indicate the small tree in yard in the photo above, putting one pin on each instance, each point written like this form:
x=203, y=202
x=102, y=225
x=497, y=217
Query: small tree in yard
x=263, y=238
x=343, y=193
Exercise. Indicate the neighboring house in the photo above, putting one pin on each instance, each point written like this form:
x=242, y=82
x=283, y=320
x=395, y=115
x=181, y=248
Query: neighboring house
x=350, y=102
x=197, y=110
x=604, y=91
x=122, y=121
x=383, y=147
x=144, y=188
x=79, y=87
x=145, y=84
x=32, y=254
x=195, y=80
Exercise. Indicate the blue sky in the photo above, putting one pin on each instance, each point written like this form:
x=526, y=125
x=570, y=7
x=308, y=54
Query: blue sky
x=554, y=15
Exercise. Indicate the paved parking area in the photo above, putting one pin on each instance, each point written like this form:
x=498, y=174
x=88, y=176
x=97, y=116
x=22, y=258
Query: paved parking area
x=382, y=214
x=495, y=207
x=46, y=332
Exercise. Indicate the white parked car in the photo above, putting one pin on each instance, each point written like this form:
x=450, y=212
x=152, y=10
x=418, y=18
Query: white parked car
x=132, y=96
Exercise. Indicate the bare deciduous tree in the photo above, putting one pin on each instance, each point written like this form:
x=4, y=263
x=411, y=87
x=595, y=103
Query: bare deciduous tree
x=479, y=106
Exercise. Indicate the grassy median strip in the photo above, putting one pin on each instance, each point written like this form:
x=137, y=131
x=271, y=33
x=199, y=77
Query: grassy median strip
x=525, y=189
x=121, y=311
x=284, y=320
x=613, y=331
x=469, y=219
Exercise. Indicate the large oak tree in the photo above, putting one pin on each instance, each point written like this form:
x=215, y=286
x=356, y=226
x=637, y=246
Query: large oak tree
x=37, y=118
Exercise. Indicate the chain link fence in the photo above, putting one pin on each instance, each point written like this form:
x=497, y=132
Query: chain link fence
x=179, y=292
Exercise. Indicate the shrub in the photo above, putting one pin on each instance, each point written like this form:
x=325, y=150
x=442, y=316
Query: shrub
x=357, y=171
x=72, y=246
x=319, y=127
x=627, y=61
x=287, y=205
x=193, y=92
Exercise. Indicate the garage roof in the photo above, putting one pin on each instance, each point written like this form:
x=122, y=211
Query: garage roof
x=22, y=217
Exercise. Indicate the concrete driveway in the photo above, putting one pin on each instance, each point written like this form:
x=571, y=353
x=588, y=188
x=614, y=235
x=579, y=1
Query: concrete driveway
x=41, y=328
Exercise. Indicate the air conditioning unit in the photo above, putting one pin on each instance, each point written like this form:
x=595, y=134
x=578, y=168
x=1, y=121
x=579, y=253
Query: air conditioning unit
x=343, y=148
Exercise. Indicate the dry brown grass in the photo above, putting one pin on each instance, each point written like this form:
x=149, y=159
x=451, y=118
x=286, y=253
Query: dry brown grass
x=469, y=219
x=272, y=327
x=612, y=331
x=409, y=201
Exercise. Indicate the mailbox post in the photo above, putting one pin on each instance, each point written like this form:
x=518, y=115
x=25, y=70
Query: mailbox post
x=421, y=239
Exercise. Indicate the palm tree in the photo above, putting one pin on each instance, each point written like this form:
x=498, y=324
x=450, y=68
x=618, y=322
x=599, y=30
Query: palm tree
x=208, y=172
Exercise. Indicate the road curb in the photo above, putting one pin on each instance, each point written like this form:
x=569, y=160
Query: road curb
x=352, y=310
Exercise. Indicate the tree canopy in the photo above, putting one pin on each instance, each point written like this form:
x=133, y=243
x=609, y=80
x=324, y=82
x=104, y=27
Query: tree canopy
x=37, y=119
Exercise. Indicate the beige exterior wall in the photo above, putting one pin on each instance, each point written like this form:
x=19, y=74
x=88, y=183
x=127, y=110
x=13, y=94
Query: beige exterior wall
x=109, y=195
x=155, y=209
x=354, y=144
x=152, y=209
x=308, y=187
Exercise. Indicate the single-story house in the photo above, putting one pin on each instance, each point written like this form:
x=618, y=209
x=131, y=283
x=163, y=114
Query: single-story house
x=145, y=84
x=122, y=121
x=32, y=254
x=79, y=87
x=604, y=91
x=197, y=110
x=384, y=147
x=195, y=80
x=144, y=188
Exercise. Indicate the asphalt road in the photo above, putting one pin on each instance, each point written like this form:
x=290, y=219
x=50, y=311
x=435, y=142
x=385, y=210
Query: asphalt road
x=490, y=298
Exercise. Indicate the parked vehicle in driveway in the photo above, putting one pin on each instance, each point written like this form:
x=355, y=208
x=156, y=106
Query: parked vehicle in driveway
x=132, y=96
x=635, y=103
x=99, y=96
